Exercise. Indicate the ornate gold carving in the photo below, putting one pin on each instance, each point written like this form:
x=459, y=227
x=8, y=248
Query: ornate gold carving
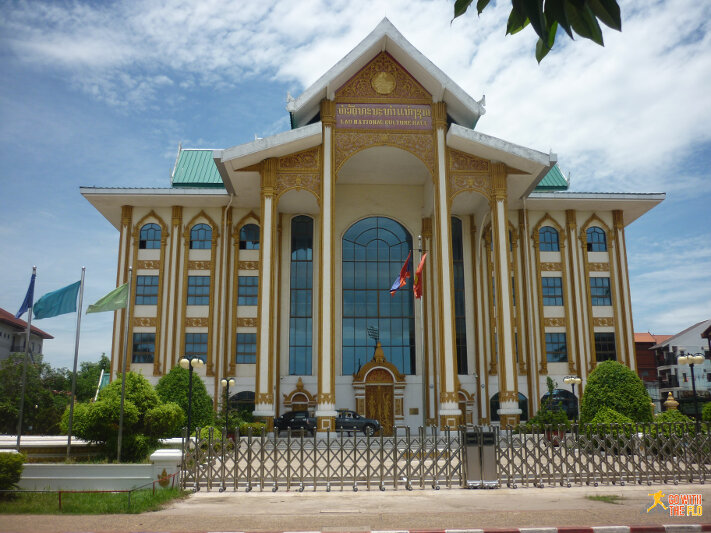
x=426, y=228
x=126, y=212
x=445, y=397
x=148, y=264
x=144, y=322
x=551, y=267
x=439, y=114
x=383, y=83
x=246, y=322
x=360, y=406
x=618, y=220
x=419, y=144
x=264, y=398
x=363, y=85
x=469, y=182
x=603, y=321
x=299, y=392
x=177, y=214
x=465, y=162
x=306, y=159
x=299, y=171
x=199, y=265
x=379, y=375
x=309, y=181
x=248, y=265
x=508, y=396
x=326, y=398
x=328, y=112
x=599, y=267
x=196, y=322
x=399, y=407
x=498, y=181
x=557, y=322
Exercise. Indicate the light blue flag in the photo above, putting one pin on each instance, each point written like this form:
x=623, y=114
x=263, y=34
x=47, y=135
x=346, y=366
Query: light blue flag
x=58, y=302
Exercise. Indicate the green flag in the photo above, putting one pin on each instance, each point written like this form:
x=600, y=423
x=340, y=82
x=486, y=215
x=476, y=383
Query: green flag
x=116, y=299
x=57, y=302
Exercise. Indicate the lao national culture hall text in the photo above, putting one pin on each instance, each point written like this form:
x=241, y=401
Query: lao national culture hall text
x=273, y=260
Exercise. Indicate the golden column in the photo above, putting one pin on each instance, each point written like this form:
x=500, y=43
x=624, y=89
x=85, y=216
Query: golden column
x=509, y=413
x=449, y=412
x=326, y=408
x=264, y=394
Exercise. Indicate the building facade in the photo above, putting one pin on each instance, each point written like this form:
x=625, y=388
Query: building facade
x=646, y=361
x=13, y=336
x=273, y=260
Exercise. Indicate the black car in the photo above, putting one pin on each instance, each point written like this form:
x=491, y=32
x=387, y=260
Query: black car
x=348, y=420
x=297, y=421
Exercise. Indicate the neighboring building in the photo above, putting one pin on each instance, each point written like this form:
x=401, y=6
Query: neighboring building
x=647, y=362
x=13, y=334
x=272, y=260
x=676, y=378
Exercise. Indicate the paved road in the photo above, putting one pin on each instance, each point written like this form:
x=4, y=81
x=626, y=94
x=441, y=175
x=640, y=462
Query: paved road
x=391, y=510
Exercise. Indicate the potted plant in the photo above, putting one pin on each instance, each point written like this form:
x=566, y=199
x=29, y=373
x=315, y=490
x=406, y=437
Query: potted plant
x=552, y=420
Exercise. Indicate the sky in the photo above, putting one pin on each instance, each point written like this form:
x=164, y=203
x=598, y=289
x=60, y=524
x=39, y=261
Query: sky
x=101, y=94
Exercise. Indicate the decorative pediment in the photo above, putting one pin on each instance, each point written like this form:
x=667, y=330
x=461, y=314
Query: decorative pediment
x=383, y=371
x=383, y=78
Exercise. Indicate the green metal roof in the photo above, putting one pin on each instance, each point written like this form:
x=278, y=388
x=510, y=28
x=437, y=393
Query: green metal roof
x=553, y=181
x=196, y=168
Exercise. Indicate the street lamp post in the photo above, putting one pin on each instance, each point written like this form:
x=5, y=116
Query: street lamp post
x=573, y=381
x=226, y=384
x=190, y=364
x=691, y=360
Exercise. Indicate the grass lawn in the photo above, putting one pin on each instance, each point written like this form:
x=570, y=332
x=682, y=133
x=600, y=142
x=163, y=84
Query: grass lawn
x=88, y=503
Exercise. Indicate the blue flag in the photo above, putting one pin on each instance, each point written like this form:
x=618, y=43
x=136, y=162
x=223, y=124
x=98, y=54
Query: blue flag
x=57, y=302
x=29, y=298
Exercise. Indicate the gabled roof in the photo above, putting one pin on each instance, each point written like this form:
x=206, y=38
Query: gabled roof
x=386, y=38
x=672, y=341
x=648, y=337
x=195, y=168
x=553, y=181
x=20, y=325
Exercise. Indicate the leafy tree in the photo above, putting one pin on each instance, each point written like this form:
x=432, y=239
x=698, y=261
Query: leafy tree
x=614, y=385
x=45, y=395
x=706, y=412
x=548, y=414
x=88, y=378
x=173, y=387
x=579, y=16
x=146, y=418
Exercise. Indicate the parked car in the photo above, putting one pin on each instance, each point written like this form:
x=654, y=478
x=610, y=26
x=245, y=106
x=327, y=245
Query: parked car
x=348, y=420
x=297, y=421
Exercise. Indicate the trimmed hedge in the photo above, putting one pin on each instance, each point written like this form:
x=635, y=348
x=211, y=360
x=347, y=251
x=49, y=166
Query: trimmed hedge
x=10, y=470
x=616, y=387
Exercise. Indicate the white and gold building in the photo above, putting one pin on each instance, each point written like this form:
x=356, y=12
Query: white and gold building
x=272, y=259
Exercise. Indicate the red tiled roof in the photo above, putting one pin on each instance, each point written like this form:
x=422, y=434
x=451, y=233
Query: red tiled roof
x=648, y=337
x=8, y=318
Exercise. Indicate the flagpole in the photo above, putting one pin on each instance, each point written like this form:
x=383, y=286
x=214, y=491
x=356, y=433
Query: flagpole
x=422, y=351
x=125, y=357
x=76, y=357
x=24, y=366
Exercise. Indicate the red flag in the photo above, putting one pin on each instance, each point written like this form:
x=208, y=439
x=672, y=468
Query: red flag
x=401, y=280
x=417, y=282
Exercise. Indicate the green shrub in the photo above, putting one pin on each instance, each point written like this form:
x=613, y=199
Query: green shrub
x=173, y=387
x=706, y=412
x=165, y=420
x=547, y=416
x=10, y=469
x=609, y=426
x=257, y=428
x=673, y=420
x=616, y=387
x=205, y=433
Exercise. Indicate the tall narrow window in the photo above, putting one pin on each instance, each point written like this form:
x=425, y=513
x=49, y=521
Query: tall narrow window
x=597, y=242
x=300, y=314
x=144, y=347
x=149, y=238
x=146, y=290
x=459, y=309
x=196, y=346
x=247, y=289
x=246, y=352
x=605, y=347
x=552, y=289
x=556, y=348
x=198, y=290
x=548, y=239
x=374, y=250
x=600, y=291
x=200, y=237
x=249, y=237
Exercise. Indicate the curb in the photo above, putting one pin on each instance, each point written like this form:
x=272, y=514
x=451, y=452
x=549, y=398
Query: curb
x=669, y=528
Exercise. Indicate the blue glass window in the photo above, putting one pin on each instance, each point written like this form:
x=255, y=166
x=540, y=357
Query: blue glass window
x=247, y=290
x=246, y=353
x=149, y=238
x=144, y=347
x=146, y=290
x=200, y=237
x=459, y=310
x=249, y=237
x=300, y=314
x=374, y=250
x=198, y=290
x=556, y=348
x=548, y=239
x=605, y=347
x=597, y=242
x=600, y=291
x=196, y=346
x=552, y=289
